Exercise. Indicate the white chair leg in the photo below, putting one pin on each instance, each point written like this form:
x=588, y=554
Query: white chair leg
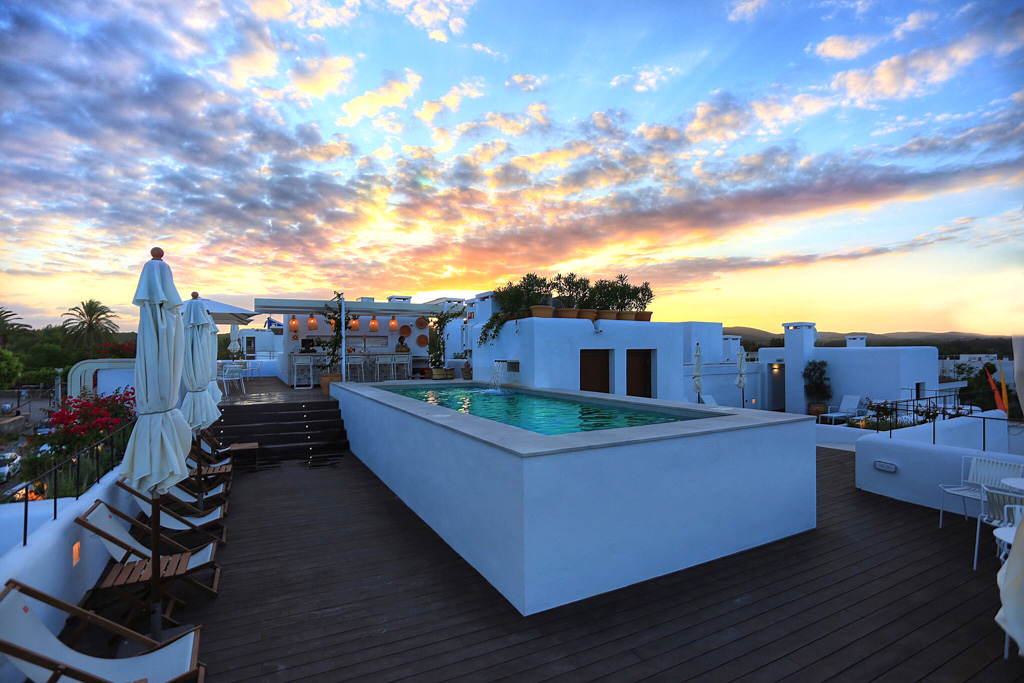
x=977, y=542
x=942, y=504
x=963, y=499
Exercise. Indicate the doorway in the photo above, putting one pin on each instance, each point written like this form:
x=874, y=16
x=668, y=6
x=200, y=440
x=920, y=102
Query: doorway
x=595, y=369
x=638, y=373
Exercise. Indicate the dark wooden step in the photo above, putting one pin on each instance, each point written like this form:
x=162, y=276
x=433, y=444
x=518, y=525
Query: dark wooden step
x=297, y=451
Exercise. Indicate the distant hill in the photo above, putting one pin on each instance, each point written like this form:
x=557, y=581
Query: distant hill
x=948, y=343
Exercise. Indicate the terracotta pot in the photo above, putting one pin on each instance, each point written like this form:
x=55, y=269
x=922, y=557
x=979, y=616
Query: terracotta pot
x=542, y=311
x=607, y=315
x=645, y=316
x=625, y=315
x=326, y=379
x=816, y=408
x=566, y=313
x=588, y=313
x=427, y=373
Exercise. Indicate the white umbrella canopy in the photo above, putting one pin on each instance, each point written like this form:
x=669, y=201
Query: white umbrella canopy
x=226, y=314
x=215, y=392
x=698, y=377
x=198, y=407
x=741, y=376
x=154, y=459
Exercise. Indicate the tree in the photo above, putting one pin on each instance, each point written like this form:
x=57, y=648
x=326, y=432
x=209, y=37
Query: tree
x=90, y=323
x=8, y=326
x=10, y=368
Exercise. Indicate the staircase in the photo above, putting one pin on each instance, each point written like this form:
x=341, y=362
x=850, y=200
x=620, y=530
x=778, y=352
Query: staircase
x=310, y=430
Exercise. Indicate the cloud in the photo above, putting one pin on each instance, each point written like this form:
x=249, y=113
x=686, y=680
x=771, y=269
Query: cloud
x=744, y=10
x=646, y=77
x=560, y=156
x=436, y=17
x=719, y=120
x=512, y=125
x=915, y=21
x=843, y=47
x=388, y=123
x=659, y=133
x=315, y=14
x=773, y=113
x=479, y=47
x=254, y=58
x=450, y=100
x=319, y=78
x=524, y=82
x=393, y=93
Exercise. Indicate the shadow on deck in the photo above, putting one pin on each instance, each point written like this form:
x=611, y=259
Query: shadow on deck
x=329, y=577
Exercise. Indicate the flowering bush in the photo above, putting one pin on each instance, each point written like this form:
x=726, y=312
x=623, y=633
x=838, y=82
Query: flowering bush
x=78, y=423
x=125, y=350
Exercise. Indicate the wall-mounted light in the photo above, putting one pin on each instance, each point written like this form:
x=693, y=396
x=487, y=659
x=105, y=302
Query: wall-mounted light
x=753, y=401
x=354, y=323
x=293, y=325
x=312, y=324
x=393, y=325
x=373, y=324
x=76, y=553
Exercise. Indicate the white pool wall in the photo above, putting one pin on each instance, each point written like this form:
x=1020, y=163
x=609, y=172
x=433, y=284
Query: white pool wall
x=549, y=520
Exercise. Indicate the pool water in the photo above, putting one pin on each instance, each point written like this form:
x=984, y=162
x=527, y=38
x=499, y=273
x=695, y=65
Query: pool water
x=540, y=414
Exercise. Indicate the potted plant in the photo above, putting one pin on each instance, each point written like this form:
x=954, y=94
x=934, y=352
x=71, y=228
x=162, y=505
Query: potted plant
x=332, y=360
x=513, y=301
x=536, y=293
x=574, y=295
x=604, y=296
x=642, y=298
x=817, y=386
x=467, y=368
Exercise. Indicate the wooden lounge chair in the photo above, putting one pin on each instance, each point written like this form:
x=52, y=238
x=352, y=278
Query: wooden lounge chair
x=40, y=655
x=174, y=525
x=130, y=574
x=244, y=454
x=189, y=501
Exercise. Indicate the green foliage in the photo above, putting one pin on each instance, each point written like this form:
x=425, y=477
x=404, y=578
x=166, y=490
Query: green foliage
x=573, y=290
x=642, y=297
x=513, y=301
x=605, y=295
x=9, y=326
x=90, y=323
x=47, y=355
x=10, y=368
x=816, y=381
x=37, y=376
x=436, y=341
x=338, y=326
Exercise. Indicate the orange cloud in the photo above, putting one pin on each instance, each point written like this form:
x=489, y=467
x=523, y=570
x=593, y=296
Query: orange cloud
x=393, y=93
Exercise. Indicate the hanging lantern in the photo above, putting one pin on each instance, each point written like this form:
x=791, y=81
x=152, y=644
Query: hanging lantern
x=293, y=325
x=393, y=325
x=331, y=321
x=373, y=324
x=312, y=324
x=354, y=323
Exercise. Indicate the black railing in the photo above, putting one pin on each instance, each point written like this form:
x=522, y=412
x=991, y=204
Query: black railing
x=71, y=476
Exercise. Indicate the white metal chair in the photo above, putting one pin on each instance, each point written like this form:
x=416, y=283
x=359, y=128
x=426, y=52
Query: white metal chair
x=231, y=372
x=1014, y=514
x=708, y=400
x=980, y=471
x=385, y=362
x=37, y=653
x=252, y=368
x=848, y=407
x=353, y=365
x=303, y=378
x=403, y=360
x=1010, y=579
x=994, y=505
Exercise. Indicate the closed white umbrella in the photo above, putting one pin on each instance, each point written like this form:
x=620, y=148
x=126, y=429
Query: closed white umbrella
x=215, y=392
x=154, y=458
x=698, y=377
x=198, y=407
x=741, y=377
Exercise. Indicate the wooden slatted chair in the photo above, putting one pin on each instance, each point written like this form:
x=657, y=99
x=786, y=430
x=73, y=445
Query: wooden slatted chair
x=40, y=655
x=980, y=471
x=132, y=558
x=174, y=525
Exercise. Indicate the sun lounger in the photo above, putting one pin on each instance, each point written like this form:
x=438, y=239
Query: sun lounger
x=40, y=655
x=174, y=525
x=848, y=407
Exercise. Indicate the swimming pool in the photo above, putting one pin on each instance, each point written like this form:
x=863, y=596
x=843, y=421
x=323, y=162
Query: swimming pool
x=540, y=414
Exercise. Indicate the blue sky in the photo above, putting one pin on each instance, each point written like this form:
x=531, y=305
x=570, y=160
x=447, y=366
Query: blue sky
x=854, y=163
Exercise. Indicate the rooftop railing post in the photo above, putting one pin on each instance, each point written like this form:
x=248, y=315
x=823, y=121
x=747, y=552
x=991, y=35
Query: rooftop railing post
x=78, y=476
x=984, y=432
x=24, y=524
x=53, y=492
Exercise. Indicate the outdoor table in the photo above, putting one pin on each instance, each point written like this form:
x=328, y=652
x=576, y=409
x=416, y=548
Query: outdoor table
x=1014, y=483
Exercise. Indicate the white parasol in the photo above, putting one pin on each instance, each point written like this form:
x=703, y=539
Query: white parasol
x=698, y=378
x=154, y=458
x=198, y=407
x=215, y=392
x=741, y=377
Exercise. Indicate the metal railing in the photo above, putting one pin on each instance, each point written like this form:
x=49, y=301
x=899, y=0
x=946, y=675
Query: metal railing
x=72, y=476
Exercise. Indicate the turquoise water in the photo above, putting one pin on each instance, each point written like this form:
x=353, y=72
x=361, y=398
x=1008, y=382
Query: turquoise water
x=539, y=414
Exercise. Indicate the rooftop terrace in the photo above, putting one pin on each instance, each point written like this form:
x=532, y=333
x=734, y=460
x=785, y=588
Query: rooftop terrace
x=328, y=577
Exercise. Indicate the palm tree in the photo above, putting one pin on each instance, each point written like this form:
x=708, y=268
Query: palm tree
x=8, y=326
x=90, y=323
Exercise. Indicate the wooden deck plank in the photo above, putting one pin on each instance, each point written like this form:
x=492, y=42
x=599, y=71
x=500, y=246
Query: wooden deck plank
x=329, y=577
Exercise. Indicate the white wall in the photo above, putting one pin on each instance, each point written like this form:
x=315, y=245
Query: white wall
x=46, y=562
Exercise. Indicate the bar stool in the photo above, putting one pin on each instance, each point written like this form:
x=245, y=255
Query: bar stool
x=303, y=372
x=403, y=360
x=385, y=361
x=352, y=364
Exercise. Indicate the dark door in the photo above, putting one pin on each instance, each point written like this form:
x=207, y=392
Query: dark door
x=638, y=372
x=594, y=370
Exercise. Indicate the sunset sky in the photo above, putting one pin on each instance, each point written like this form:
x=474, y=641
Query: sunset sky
x=853, y=163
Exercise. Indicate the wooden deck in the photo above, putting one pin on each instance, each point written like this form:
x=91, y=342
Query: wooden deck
x=329, y=577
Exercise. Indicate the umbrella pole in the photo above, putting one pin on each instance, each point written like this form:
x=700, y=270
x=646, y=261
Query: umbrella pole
x=743, y=398
x=155, y=603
